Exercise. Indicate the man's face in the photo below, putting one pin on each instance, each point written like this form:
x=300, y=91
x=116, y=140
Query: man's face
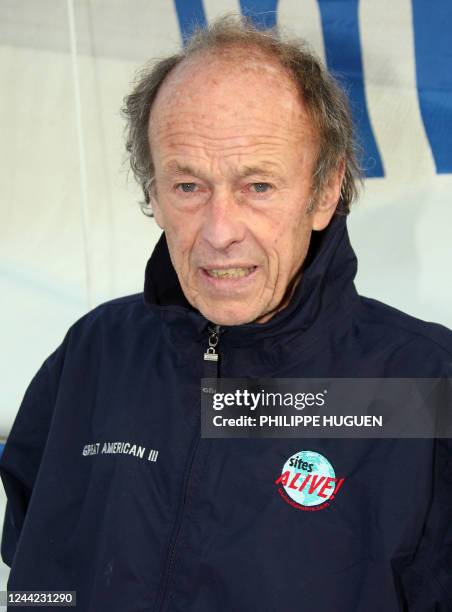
x=233, y=150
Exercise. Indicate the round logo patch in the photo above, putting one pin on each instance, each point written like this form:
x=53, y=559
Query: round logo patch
x=308, y=481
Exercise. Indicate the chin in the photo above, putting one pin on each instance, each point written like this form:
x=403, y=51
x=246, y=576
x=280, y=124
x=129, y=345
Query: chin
x=221, y=316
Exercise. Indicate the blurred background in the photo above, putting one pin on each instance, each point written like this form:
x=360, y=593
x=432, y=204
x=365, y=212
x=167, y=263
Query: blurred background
x=71, y=231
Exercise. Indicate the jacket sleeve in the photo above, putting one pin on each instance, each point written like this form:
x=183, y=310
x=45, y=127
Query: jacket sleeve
x=427, y=575
x=21, y=458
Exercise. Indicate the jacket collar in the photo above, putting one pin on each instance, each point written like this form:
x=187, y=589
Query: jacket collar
x=327, y=281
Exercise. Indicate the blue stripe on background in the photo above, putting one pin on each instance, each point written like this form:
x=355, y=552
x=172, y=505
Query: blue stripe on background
x=343, y=54
x=190, y=15
x=432, y=23
x=2, y=446
x=261, y=12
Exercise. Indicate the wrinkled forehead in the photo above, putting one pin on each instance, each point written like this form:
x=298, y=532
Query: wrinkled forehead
x=235, y=89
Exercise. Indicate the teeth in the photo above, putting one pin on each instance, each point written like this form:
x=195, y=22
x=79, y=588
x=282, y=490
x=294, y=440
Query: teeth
x=230, y=272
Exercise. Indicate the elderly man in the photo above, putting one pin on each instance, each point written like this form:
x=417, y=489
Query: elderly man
x=244, y=147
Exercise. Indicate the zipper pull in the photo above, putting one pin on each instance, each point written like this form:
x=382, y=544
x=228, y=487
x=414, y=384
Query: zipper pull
x=211, y=359
x=214, y=338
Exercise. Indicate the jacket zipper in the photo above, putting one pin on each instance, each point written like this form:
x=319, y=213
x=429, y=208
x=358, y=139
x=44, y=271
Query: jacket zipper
x=211, y=358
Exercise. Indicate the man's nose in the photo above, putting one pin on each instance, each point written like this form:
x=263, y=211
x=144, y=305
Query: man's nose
x=223, y=222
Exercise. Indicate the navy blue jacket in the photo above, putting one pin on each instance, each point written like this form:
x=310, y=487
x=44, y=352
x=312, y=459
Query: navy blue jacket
x=112, y=492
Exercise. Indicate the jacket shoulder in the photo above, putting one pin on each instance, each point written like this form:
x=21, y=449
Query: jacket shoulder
x=114, y=324
x=131, y=302
x=421, y=339
x=128, y=308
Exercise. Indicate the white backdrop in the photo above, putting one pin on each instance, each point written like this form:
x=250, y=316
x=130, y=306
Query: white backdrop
x=71, y=232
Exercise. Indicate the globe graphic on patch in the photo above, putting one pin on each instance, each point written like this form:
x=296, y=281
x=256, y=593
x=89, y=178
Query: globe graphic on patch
x=317, y=465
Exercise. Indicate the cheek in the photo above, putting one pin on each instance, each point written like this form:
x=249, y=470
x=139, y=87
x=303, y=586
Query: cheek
x=290, y=244
x=281, y=237
x=183, y=243
x=181, y=234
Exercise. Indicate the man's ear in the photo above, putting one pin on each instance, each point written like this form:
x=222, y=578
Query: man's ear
x=153, y=200
x=328, y=198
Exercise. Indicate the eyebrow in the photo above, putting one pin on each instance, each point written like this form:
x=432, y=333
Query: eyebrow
x=265, y=168
x=177, y=168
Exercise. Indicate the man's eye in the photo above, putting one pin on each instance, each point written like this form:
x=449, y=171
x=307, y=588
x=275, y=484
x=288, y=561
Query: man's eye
x=186, y=187
x=261, y=187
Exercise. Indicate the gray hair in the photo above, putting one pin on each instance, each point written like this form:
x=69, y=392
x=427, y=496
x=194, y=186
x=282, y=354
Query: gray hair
x=326, y=102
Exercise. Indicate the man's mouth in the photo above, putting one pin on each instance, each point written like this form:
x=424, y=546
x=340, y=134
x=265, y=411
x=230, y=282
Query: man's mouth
x=230, y=272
